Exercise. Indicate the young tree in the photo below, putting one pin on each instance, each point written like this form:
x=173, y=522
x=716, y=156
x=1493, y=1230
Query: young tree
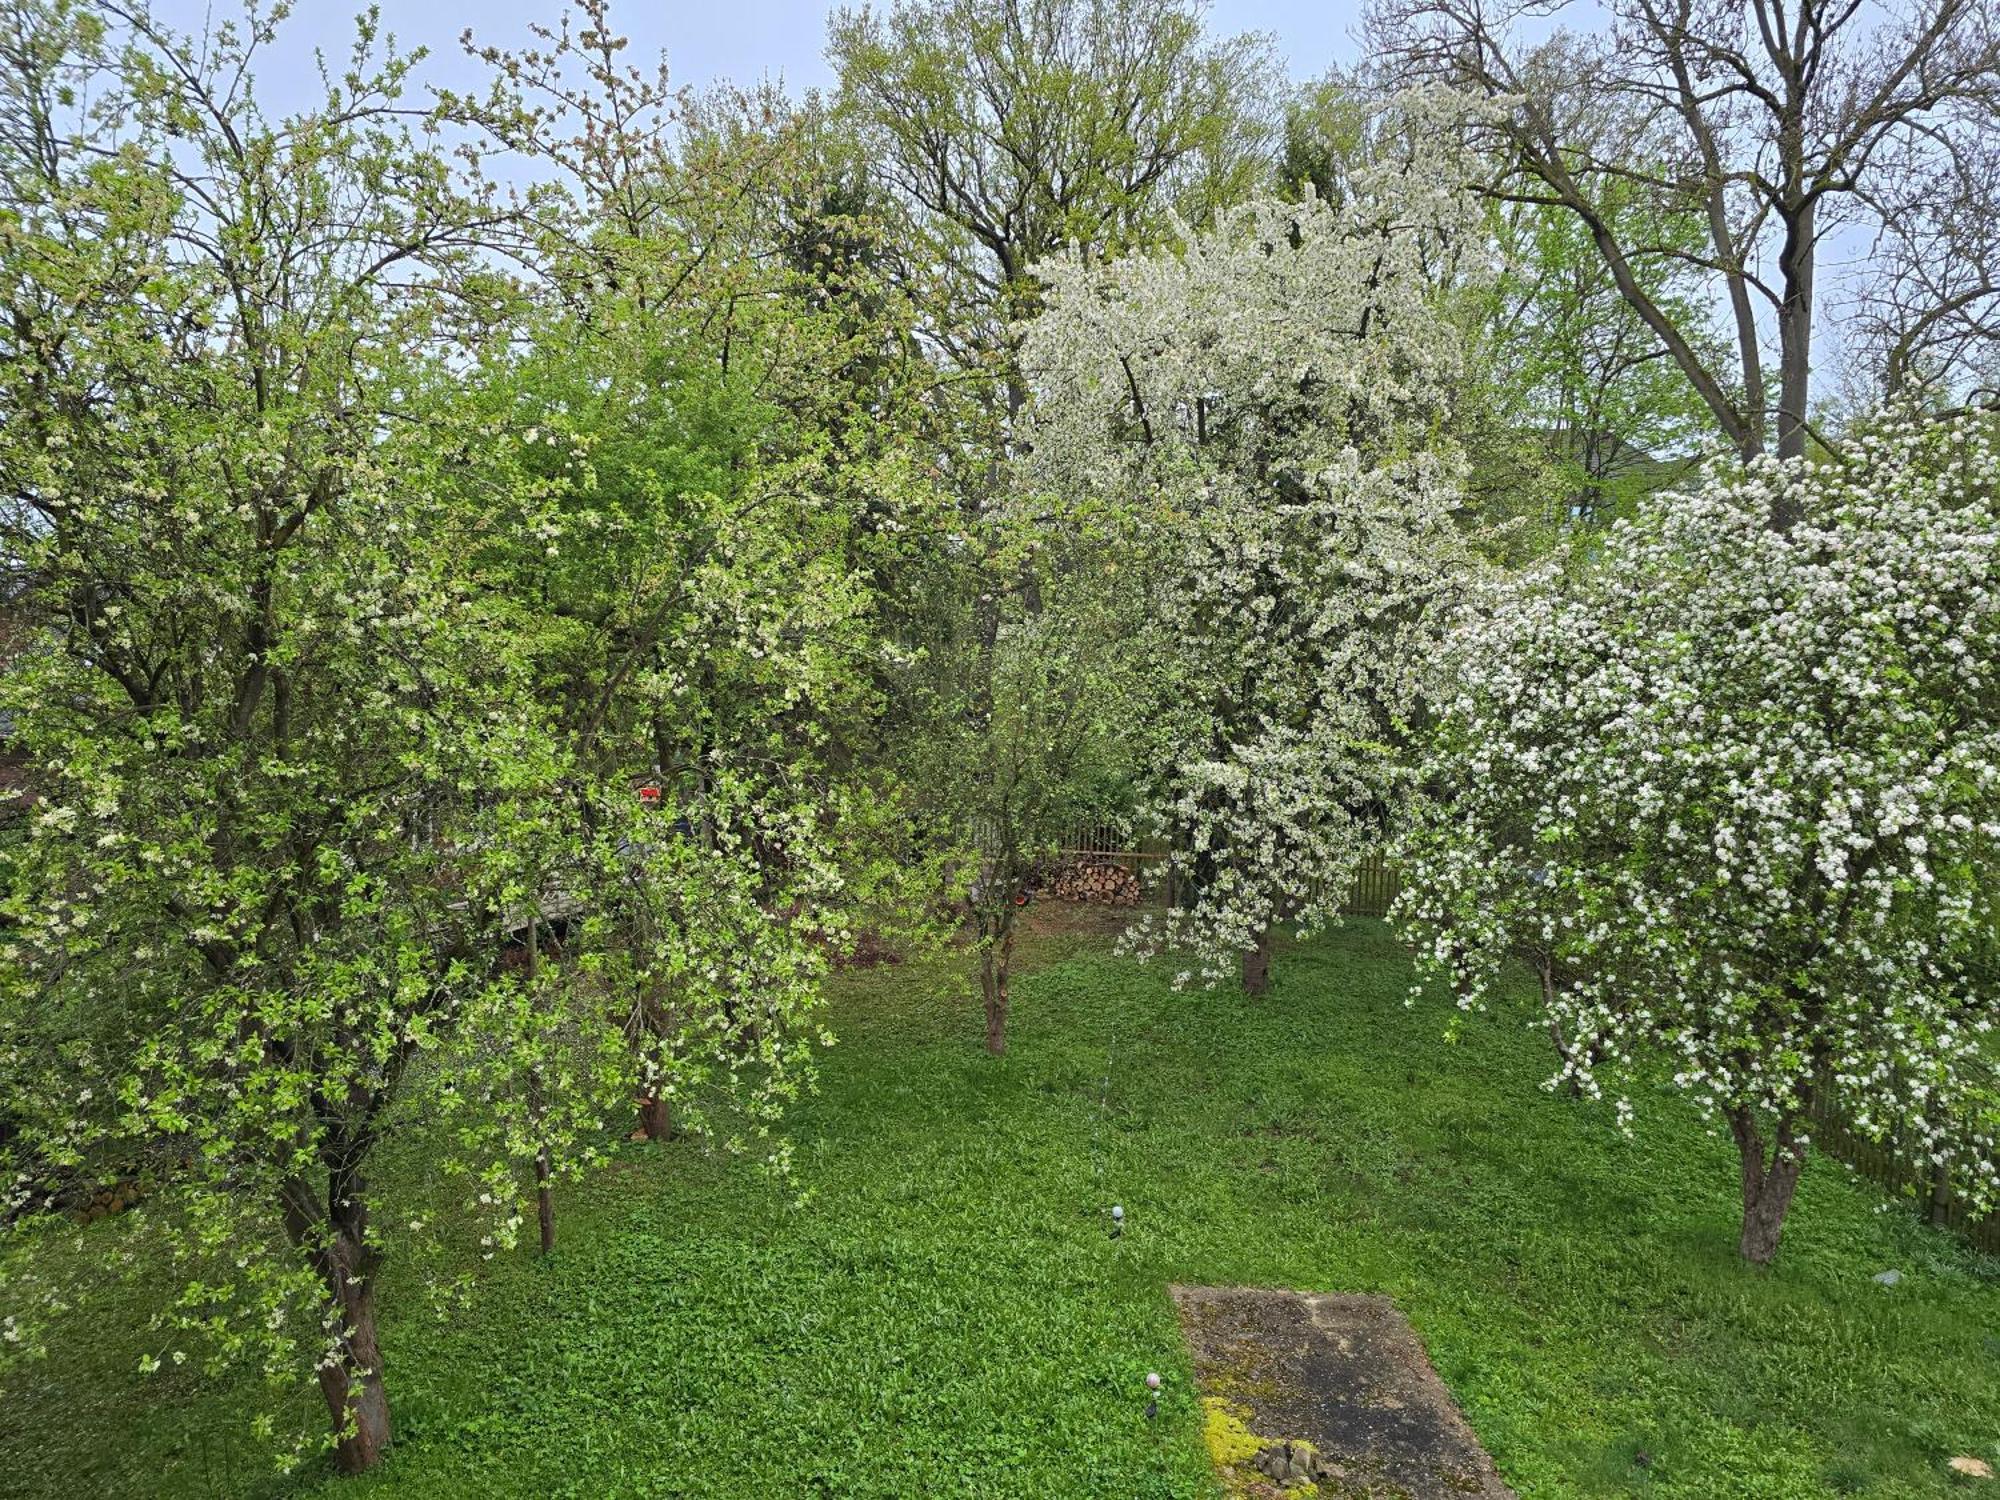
x=1736, y=794
x=1019, y=711
x=1259, y=406
x=1773, y=125
x=269, y=723
x=1003, y=135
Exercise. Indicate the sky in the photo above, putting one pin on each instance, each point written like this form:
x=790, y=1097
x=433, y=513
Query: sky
x=742, y=41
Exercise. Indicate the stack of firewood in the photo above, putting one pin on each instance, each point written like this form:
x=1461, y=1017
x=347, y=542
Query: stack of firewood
x=1097, y=881
x=102, y=1202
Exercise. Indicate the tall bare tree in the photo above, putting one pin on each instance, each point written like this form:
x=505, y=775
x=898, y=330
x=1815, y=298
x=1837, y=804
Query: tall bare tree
x=1780, y=123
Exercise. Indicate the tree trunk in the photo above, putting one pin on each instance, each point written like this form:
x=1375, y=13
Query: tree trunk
x=1795, y=311
x=651, y=1027
x=1768, y=1186
x=1257, y=965
x=654, y=1119
x=993, y=985
x=994, y=960
x=334, y=1238
x=545, y=1206
x=352, y=1384
x=1545, y=970
x=1941, y=1196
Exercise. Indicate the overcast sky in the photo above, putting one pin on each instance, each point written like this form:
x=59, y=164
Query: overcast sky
x=739, y=40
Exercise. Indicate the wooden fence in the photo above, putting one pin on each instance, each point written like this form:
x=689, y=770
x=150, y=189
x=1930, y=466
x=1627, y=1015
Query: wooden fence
x=1897, y=1164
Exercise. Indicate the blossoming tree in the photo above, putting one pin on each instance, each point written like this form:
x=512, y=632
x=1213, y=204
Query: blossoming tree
x=347, y=631
x=1261, y=405
x=270, y=726
x=1734, y=792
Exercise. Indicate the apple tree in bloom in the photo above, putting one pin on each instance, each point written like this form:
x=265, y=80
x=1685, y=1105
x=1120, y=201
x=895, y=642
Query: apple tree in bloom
x=1262, y=407
x=1732, y=789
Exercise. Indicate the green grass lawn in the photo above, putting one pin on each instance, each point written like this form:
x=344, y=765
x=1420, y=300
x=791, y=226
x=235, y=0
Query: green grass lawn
x=947, y=1315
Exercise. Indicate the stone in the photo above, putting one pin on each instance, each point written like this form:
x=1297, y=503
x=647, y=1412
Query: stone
x=1273, y=1459
x=1291, y=1463
x=1971, y=1468
x=1887, y=1278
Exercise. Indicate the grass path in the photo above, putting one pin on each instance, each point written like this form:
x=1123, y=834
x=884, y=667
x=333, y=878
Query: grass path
x=948, y=1316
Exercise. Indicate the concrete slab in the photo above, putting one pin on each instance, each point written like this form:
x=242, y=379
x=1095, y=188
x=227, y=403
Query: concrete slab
x=1311, y=1394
